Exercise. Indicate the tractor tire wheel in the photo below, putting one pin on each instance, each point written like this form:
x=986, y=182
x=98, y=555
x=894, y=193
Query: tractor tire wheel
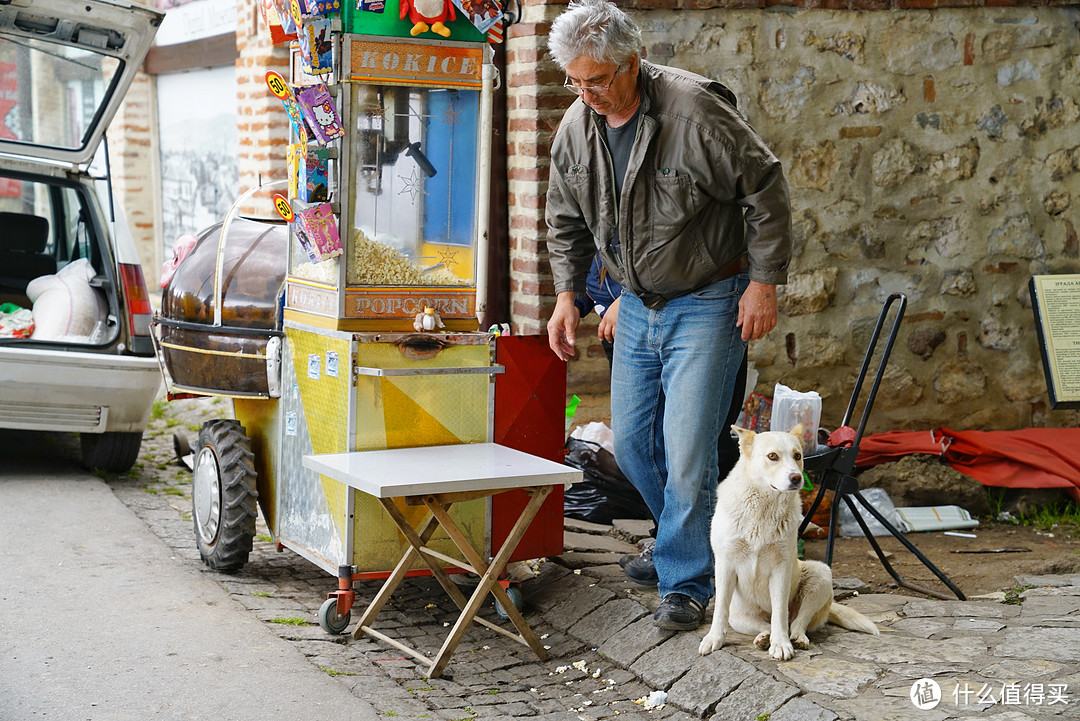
x=223, y=495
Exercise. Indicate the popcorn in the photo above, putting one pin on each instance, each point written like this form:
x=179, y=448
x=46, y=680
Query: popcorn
x=375, y=263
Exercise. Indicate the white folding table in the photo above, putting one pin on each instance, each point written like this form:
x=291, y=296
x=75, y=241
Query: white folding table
x=437, y=477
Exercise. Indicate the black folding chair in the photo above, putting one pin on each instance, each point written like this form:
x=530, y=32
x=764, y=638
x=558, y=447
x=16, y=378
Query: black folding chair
x=835, y=467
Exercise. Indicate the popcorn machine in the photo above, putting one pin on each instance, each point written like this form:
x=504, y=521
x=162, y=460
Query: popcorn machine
x=371, y=340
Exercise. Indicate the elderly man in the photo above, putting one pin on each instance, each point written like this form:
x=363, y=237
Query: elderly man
x=655, y=169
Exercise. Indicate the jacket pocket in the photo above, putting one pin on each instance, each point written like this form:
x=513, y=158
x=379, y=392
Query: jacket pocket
x=672, y=202
x=581, y=185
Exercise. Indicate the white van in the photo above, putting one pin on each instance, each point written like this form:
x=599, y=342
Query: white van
x=68, y=264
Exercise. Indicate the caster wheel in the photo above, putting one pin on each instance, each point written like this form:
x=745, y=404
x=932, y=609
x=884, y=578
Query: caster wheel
x=515, y=597
x=329, y=619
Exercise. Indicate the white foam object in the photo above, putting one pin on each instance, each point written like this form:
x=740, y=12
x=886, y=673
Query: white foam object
x=65, y=304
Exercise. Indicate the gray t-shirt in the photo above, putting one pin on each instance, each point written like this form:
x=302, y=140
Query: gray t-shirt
x=620, y=142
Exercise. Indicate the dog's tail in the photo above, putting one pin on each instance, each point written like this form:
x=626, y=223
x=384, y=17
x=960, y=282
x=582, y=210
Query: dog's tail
x=851, y=619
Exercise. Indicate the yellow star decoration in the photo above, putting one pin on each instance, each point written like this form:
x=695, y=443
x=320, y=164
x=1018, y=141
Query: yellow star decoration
x=447, y=256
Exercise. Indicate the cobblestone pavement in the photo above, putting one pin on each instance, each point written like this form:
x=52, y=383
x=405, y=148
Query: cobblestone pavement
x=1008, y=659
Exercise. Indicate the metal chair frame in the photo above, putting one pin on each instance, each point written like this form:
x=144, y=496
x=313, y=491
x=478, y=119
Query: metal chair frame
x=835, y=467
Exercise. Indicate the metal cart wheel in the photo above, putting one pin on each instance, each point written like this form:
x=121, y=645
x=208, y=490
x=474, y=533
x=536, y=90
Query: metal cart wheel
x=223, y=495
x=329, y=619
x=516, y=598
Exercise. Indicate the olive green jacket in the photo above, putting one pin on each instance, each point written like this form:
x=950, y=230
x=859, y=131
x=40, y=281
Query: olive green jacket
x=700, y=189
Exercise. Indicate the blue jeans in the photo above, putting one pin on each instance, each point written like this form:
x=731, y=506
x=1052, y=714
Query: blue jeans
x=671, y=385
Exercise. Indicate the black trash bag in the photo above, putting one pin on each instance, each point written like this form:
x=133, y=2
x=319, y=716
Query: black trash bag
x=604, y=493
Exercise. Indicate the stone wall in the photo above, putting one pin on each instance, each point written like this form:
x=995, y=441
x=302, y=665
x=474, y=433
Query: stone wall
x=930, y=152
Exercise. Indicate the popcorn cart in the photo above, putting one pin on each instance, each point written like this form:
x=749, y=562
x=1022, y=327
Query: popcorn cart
x=381, y=432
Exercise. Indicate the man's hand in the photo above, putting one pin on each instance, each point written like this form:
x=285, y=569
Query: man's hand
x=562, y=326
x=606, y=329
x=757, y=310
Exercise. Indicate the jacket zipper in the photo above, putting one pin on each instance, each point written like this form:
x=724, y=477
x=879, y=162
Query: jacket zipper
x=597, y=120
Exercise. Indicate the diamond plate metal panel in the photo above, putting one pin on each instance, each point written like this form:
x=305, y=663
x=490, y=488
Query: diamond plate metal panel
x=305, y=498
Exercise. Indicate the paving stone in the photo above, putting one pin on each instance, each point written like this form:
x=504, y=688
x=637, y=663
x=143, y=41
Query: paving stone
x=612, y=576
x=850, y=584
x=709, y=680
x=830, y=675
x=1051, y=591
x=1061, y=579
x=945, y=609
x=551, y=587
x=977, y=625
x=919, y=627
x=1049, y=644
x=757, y=695
x=1018, y=669
x=607, y=620
x=802, y=709
x=665, y=664
x=576, y=525
x=884, y=650
x=592, y=543
x=870, y=708
x=632, y=529
x=546, y=590
x=578, y=602
x=1040, y=610
x=577, y=560
x=626, y=646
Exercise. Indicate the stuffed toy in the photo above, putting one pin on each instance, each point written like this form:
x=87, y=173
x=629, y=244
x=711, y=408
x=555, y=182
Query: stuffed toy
x=428, y=14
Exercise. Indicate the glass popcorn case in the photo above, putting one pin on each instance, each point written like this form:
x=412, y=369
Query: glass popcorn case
x=407, y=177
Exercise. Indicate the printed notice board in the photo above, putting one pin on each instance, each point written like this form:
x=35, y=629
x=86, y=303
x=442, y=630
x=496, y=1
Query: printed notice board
x=1055, y=300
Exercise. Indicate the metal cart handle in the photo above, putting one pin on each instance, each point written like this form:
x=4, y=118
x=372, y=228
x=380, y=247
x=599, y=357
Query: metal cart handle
x=474, y=370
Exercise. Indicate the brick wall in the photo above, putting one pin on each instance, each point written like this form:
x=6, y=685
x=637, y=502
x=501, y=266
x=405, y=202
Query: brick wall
x=133, y=158
x=930, y=149
x=261, y=120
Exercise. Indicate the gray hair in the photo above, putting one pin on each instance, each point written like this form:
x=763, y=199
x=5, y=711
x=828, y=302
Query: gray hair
x=594, y=28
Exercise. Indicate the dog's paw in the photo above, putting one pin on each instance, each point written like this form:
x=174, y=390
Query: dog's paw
x=801, y=642
x=711, y=642
x=762, y=640
x=781, y=651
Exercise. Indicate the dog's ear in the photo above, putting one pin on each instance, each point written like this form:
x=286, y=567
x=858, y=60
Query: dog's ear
x=797, y=431
x=746, y=438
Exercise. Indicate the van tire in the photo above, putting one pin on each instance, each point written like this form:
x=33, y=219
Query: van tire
x=115, y=451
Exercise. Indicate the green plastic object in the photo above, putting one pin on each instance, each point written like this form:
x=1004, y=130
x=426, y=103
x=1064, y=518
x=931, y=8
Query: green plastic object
x=571, y=409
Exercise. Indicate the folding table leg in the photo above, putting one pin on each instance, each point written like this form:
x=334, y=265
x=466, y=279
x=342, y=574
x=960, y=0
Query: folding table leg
x=426, y=530
x=418, y=542
x=489, y=579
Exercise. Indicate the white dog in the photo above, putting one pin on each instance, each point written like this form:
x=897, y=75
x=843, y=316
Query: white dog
x=760, y=582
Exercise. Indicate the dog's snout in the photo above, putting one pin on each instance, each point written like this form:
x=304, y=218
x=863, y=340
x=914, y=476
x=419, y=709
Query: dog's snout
x=796, y=480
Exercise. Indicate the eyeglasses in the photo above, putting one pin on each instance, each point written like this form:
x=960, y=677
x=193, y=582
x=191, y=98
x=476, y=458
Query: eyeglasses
x=593, y=89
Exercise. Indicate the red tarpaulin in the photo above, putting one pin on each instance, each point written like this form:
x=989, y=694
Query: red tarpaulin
x=1027, y=458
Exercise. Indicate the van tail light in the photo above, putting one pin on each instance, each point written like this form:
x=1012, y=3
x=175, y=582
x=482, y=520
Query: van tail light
x=136, y=299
